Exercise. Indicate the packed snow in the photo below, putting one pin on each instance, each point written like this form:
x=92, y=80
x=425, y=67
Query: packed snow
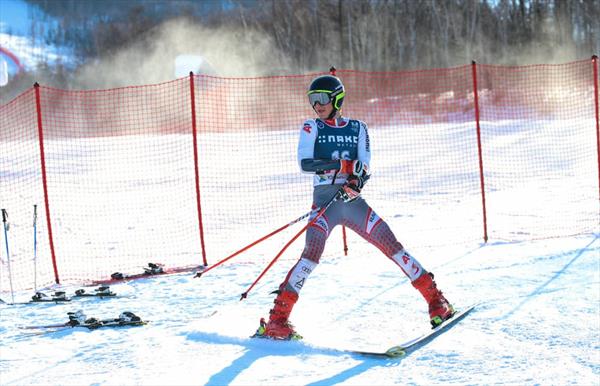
x=537, y=323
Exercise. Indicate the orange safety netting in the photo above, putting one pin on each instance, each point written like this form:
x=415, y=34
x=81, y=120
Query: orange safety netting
x=126, y=176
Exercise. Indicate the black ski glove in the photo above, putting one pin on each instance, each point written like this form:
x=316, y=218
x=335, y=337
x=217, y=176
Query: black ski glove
x=351, y=189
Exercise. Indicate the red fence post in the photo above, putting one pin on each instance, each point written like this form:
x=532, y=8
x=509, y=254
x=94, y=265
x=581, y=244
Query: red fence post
x=479, y=149
x=38, y=108
x=595, y=72
x=195, y=140
x=345, y=240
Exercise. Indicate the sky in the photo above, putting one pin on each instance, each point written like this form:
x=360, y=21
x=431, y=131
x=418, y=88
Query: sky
x=15, y=23
x=14, y=17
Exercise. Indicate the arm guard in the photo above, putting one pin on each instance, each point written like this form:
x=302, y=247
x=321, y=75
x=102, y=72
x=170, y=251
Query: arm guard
x=319, y=165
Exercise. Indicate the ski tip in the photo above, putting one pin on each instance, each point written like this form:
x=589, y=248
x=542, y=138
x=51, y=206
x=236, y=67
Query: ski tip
x=395, y=352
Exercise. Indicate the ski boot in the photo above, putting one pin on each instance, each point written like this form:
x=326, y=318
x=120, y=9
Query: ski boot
x=279, y=327
x=439, y=308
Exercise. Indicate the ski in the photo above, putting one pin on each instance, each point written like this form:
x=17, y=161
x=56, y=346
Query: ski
x=101, y=292
x=415, y=344
x=61, y=297
x=394, y=351
x=78, y=319
x=112, y=323
x=153, y=269
x=67, y=324
x=40, y=297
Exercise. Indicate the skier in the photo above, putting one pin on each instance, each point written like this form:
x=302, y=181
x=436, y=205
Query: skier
x=336, y=150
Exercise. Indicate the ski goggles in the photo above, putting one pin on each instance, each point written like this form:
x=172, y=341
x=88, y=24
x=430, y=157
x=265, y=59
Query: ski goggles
x=319, y=97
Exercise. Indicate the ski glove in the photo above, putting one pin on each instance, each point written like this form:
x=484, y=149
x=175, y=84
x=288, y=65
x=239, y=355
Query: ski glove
x=349, y=192
x=358, y=177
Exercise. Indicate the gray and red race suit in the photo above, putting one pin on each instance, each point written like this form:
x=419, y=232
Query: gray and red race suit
x=322, y=144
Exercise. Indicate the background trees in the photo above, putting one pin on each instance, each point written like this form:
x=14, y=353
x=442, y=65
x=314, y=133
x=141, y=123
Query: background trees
x=278, y=37
x=362, y=34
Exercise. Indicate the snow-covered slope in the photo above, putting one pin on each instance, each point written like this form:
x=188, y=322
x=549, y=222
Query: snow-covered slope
x=538, y=324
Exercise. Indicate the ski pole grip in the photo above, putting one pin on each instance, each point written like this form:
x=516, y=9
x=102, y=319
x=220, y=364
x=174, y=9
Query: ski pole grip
x=4, y=215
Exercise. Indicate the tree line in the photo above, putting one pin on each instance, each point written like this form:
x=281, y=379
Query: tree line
x=369, y=35
x=362, y=34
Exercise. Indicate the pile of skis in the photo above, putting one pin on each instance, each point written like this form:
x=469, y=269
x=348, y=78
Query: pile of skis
x=79, y=319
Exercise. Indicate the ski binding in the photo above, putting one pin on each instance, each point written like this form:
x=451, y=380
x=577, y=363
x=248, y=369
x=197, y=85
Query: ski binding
x=102, y=291
x=56, y=297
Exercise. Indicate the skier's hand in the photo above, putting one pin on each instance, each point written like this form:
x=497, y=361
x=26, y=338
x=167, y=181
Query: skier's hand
x=357, y=177
x=351, y=189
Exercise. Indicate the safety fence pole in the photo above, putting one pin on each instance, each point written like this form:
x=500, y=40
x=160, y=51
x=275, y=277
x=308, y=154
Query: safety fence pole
x=479, y=149
x=595, y=72
x=38, y=108
x=196, y=168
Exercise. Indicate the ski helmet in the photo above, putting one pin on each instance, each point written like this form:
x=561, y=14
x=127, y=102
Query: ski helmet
x=325, y=89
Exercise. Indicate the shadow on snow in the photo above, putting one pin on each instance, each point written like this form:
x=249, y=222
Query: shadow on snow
x=260, y=348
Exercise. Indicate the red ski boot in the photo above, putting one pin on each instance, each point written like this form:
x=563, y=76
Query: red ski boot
x=439, y=308
x=279, y=326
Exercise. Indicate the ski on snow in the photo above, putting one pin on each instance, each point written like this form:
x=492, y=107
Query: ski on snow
x=153, y=269
x=61, y=297
x=79, y=319
x=102, y=292
x=40, y=297
x=399, y=350
x=414, y=344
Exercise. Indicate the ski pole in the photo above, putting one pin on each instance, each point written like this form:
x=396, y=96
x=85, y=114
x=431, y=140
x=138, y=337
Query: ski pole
x=311, y=222
x=35, y=247
x=4, y=220
x=316, y=210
